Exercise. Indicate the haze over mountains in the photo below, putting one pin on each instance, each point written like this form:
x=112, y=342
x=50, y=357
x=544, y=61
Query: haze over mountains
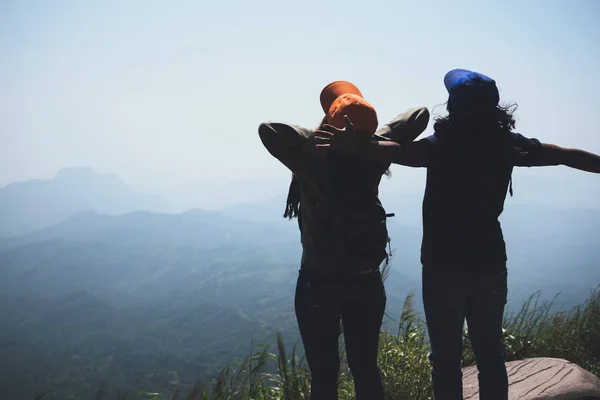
x=99, y=283
x=27, y=206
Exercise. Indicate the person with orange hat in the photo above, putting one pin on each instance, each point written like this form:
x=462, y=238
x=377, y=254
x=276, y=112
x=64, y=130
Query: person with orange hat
x=334, y=196
x=469, y=160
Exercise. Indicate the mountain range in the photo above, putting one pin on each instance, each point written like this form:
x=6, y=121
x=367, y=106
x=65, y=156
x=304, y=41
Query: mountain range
x=32, y=205
x=152, y=300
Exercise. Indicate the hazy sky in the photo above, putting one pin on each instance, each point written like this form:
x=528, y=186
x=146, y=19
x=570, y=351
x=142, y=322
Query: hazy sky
x=170, y=93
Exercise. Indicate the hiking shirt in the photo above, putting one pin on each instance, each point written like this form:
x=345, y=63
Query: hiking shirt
x=464, y=197
x=342, y=221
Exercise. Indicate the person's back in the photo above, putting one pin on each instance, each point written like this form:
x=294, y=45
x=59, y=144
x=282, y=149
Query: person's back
x=344, y=236
x=469, y=167
x=470, y=160
x=468, y=177
x=342, y=220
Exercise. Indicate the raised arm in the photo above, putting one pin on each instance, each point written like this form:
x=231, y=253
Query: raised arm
x=406, y=127
x=533, y=153
x=393, y=143
x=551, y=154
x=413, y=154
x=291, y=145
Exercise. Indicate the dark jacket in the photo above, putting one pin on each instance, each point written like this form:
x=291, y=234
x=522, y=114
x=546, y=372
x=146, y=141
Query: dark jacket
x=342, y=221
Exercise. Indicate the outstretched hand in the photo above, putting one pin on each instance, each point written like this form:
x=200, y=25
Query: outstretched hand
x=345, y=140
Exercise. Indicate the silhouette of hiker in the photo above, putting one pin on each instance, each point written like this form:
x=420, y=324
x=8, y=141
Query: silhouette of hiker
x=469, y=160
x=334, y=195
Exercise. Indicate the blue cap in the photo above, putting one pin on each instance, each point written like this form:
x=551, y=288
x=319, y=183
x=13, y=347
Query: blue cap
x=467, y=87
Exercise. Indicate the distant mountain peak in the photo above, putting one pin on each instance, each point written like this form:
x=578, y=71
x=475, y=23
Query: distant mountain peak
x=75, y=170
x=37, y=204
x=84, y=173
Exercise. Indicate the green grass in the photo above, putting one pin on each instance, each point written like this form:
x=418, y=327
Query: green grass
x=271, y=372
x=573, y=335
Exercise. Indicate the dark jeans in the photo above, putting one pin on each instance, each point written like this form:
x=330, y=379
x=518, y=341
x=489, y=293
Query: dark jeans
x=360, y=304
x=449, y=297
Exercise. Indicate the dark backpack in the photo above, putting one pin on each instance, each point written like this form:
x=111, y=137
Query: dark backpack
x=358, y=217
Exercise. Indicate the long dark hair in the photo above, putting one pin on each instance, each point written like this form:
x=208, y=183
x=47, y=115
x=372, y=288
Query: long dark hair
x=501, y=118
x=292, y=204
x=498, y=121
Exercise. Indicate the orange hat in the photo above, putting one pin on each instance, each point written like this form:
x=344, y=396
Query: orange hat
x=335, y=90
x=362, y=115
x=341, y=98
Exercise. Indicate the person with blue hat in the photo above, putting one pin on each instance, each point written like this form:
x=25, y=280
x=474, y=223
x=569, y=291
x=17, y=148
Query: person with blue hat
x=469, y=160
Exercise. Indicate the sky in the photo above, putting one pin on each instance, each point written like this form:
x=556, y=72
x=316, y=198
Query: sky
x=169, y=95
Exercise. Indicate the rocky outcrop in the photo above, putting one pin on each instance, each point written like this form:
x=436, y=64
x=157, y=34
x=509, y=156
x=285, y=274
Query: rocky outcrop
x=541, y=378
